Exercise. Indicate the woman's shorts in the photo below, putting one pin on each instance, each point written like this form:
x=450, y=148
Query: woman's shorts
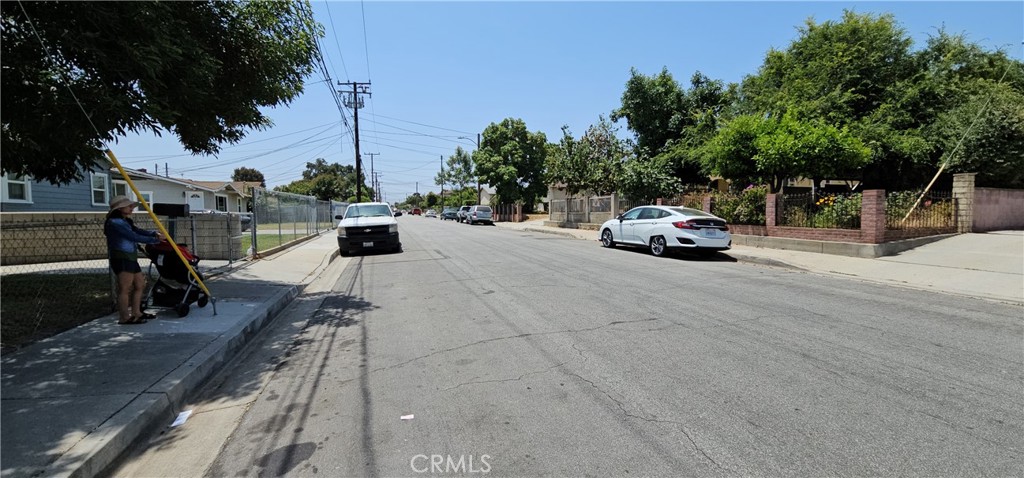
x=124, y=265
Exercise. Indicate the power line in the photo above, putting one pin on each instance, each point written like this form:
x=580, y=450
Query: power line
x=336, y=42
x=366, y=45
x=426, y=125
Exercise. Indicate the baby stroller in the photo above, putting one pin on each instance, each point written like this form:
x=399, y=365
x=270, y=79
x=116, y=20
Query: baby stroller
x=175, y=288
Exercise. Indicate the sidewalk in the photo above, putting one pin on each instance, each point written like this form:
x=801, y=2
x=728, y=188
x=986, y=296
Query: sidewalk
x=73, y=402
x=989, y=266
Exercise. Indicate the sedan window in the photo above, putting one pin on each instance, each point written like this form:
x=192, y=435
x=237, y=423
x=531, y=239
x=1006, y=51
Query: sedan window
x=648, y=213
x=632, y=214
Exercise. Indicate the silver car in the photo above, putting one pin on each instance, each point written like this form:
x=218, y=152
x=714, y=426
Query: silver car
x=664, y=228
x=479, y=213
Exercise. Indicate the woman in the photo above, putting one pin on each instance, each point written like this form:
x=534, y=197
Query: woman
x=122, y=240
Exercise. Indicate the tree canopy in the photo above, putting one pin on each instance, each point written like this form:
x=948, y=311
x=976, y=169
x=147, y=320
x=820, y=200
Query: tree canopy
x=200, y=70
x=249, y=174
x=593, y=163
x=328, y=181
x=511, y=158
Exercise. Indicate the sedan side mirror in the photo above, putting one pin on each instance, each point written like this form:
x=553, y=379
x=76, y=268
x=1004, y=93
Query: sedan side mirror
x=619, y=217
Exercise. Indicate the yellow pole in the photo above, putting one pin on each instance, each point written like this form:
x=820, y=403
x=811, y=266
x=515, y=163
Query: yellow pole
x=159, y=225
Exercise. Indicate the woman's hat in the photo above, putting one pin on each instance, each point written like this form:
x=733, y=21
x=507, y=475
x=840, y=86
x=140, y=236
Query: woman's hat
x=119, y=202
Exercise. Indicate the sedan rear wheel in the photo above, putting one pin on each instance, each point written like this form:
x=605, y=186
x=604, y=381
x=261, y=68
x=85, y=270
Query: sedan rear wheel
x=658, y=247
x=606, y=238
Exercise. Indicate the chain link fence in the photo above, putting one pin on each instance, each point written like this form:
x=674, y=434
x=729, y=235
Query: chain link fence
x=281, y=218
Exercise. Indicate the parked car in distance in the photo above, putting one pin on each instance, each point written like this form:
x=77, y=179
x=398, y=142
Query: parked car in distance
x=479, y=213
x=430, y=213
x=367, y=226
x=450, y=213
x=460, y=216
x=666, y=228
x=417, y=212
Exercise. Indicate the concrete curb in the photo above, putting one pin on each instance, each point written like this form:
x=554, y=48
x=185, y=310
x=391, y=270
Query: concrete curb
x=555, y=233
x=161, y=401
x=764, y=261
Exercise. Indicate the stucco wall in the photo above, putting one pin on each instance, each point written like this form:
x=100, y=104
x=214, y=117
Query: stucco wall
x=998, y=209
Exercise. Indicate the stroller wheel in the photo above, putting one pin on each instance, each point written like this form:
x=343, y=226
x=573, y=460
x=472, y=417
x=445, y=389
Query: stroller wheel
x=203, y=300
x=181, y=309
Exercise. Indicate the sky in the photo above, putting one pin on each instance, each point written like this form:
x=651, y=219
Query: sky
x=439, y=71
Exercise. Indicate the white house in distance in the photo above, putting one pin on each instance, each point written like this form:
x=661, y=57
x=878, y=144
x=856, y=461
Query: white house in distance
x=224, y=196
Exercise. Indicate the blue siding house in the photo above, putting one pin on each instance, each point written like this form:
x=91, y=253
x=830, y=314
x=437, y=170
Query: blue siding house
x=92, y=194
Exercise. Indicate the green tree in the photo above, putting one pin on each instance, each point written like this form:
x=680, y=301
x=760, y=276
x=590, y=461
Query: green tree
x=593, y=163
x=432, y=200
x=651, y=107
x=511, y=159
x=856, y=73
x=414, y=200
x=771, y=150
x=250, y=175
x=646, y=180
x=458, y=169
x=201, y=70
x=328, y=181
x=985, y=135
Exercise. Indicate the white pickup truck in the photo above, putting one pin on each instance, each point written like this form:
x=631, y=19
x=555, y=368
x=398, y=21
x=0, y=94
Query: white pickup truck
x=367, y=226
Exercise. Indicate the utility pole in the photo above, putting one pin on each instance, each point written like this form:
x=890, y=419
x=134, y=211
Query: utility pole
x=355, y=102
x=442, y=183
x=478, y=177
x=373, y=182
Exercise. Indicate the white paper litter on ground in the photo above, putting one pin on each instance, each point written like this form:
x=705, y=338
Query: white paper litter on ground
x=407, y=417
x=181, y=418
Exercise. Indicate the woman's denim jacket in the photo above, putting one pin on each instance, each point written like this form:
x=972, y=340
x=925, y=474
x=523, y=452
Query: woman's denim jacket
x=122, y=237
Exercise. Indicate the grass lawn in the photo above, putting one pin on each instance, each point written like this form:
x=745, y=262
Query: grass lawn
x=36, y=306
x=268, y=241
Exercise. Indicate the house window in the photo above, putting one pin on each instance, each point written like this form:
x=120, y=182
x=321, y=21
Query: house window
x=16, y=189
x=222, y=203
x=99, y=189
x=239, y=204
x=121, y=189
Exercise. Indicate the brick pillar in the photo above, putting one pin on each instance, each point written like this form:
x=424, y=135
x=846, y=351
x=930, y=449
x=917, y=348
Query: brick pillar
x=872, y=216
x=705, y=203
x=658, y=202
x=963, y=194
x=615, y=204
x=770, y=207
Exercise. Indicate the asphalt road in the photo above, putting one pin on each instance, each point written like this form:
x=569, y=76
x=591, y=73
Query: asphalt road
x=524, y=354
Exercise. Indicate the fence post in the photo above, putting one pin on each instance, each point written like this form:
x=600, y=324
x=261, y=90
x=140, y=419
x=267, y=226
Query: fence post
x=872, y=216
x=963, y=196
x=615, y=204
x=771, y=204
x=705, y=203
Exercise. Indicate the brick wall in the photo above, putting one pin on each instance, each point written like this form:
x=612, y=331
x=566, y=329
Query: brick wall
x=816, y=234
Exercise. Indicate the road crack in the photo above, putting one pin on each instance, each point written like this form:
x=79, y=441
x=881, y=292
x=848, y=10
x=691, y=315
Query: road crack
x=536, y=372
x=507, y=337
x=629, y=414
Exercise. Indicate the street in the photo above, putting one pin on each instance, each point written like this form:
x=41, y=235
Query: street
x=523, y=354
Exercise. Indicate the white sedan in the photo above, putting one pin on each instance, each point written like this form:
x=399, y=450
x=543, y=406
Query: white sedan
x=662, y=228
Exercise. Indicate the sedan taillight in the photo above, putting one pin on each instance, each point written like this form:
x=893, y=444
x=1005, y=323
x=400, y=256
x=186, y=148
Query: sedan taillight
x=684, y=225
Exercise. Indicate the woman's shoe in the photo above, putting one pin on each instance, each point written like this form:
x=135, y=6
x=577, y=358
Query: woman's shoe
x=133, y=321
